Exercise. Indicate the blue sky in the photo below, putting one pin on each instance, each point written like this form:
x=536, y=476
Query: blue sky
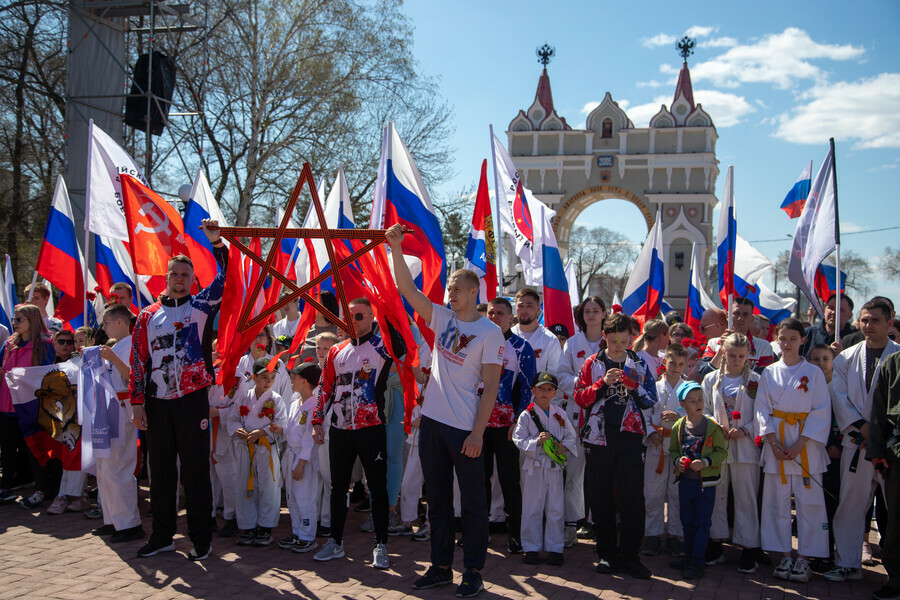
x=777, y=78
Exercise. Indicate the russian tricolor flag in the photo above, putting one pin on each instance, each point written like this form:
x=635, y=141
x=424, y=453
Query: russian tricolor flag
x=557, y=302
x=8, y=296
x=60, y=260
x=401, y=197
x=646, y=285
x=481, y=254
x=727, y=240
x=201, y=205
x=826, y=282
x=697, y=300
x=113, y=265
x=796, y=198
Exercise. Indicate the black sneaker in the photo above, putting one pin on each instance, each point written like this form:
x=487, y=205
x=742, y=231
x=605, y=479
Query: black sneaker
x=304, y=546
x=471, y=584
x=887, y=592
x=229, y=529
x=323, y=532
x=532, y=558
x=714, y=554
x=748, y=561
x=127, y=535
x=513, y=545
x=364, y=506
x=248, y=537
x=196, y=555
x=8, y=497
x=154, y=547
x=763, y=558
x=604, y=567
x=679, y=564
x=652, y=545
x=288, y=542
x=433, y=577
x=555, y=559
x=263, y=537
x=104, y=531
x=634, y=568
x=693, y=571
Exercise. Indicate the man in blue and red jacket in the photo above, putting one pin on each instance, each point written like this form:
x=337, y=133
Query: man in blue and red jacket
x=171, y=371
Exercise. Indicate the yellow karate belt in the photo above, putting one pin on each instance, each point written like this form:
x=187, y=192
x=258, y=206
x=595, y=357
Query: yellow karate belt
x=792, y=419
x=664, y=433
x=252, y=448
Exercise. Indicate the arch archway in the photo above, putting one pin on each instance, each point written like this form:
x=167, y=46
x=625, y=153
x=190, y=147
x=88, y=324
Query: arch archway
x=569, y=211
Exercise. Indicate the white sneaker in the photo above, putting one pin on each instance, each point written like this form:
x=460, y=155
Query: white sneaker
x=783, y=570
x=569, y=536
x=867, y=558
x=843, y=574
x=380, y=557
x=330, y=550
x=801, y=571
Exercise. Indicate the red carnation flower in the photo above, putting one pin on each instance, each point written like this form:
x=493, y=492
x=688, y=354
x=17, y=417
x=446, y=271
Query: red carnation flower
x=752, y=385
x=178, y=325
x=90, y=296
x=735, y=415
x=686, y=342
x=661, y=369
x=616, y=308
x=261, y=347
x=308, y=359
x=113, y=297
x=685, y=463
x=98, y=289
x=758, y=441
x=244, y=410
x=580, y=354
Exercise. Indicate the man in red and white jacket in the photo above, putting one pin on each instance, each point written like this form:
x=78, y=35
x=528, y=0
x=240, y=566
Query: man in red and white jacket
x=171, y=371
x=353, y=384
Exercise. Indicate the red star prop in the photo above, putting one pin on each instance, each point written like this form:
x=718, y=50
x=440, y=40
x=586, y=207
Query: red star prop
x=232, y=234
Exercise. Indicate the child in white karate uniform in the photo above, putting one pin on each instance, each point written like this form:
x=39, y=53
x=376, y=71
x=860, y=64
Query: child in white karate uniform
x=660, y=487
x=793, y=412
x=256, y=422
x=729, y=395
x=324, y=342
x=301, y=460
x=542, y=475
x=223, y=462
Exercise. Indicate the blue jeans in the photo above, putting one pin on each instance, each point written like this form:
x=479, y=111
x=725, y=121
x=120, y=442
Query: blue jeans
x=696, y=504
x=396, y=436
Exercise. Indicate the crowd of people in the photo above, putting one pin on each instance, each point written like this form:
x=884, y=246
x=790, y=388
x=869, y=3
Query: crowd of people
x=645, y=439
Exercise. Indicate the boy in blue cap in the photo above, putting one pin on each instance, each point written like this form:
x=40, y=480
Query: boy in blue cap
x=698, y=449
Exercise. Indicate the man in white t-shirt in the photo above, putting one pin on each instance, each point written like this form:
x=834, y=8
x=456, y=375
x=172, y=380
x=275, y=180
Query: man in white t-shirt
x=546, y=346
x=288, y=325
x=468, y=349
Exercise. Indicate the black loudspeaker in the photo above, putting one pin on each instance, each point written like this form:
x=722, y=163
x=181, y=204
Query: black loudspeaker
x=162, y=86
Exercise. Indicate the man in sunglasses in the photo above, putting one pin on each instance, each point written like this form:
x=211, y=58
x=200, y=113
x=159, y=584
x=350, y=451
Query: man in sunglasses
x=64, y=344
x=353, y=384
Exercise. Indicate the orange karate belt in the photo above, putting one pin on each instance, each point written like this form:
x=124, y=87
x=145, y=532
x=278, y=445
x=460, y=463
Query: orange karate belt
x=792, y=419
x=252, y=448
x=664, y=433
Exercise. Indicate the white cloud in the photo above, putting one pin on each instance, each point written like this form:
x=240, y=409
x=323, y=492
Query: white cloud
x=651, y=84
x=864, y=111
x=589, y=107
x=780, y=59
x=700, y=31
x=722, y=42
x=660, y=39
x=725, y=109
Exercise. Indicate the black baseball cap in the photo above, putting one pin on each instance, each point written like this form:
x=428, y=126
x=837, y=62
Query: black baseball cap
x=559, y=329
x=309, y=371
x=261, y=364
x=545, y=377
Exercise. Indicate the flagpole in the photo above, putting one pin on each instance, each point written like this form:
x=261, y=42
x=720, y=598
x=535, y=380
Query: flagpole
x=31, y=287
x=87, y=217
x=837, y=247
x=496, y=219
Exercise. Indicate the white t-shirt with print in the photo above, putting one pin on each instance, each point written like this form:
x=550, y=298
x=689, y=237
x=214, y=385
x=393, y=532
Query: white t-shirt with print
x=460, y=349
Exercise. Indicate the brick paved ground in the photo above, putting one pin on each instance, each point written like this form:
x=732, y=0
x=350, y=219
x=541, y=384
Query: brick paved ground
x=44, y=556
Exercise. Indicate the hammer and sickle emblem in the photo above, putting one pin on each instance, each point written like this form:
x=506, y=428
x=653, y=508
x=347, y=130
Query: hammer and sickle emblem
x=148, y=209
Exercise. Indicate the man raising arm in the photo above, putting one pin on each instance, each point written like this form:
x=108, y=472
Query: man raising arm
x=468, y=350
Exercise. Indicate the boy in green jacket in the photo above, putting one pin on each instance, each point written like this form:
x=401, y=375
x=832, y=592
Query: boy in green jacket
x=698, y=449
